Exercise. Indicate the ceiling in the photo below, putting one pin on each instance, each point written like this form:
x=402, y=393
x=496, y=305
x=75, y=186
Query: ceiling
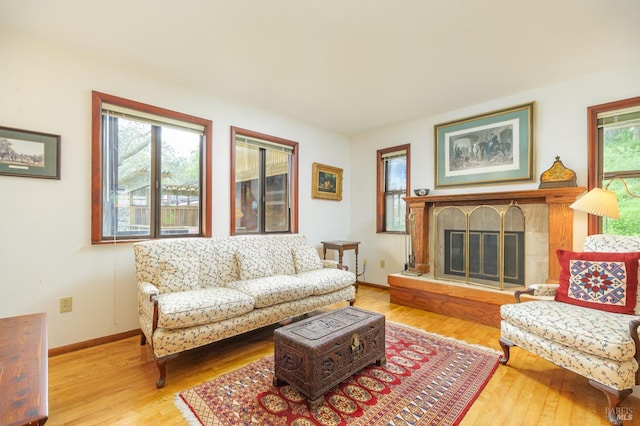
x=349, y=66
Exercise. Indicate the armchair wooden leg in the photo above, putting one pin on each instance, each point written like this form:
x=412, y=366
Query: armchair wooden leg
x=161, y=363
x=615, y=398
x=506, y=347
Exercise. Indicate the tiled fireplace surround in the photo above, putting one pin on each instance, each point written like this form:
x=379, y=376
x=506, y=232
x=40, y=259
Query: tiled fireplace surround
x=548, y=227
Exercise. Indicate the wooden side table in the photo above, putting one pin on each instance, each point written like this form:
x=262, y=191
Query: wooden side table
x=24, y=370
x=341, y=246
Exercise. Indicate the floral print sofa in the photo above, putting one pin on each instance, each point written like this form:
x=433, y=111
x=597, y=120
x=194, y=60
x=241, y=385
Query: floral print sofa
x=195, y=291
x=600, y=345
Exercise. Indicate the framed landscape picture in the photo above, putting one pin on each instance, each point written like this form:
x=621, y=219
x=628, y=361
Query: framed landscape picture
x=491, y=148
x=29, y=154
x=326, y=182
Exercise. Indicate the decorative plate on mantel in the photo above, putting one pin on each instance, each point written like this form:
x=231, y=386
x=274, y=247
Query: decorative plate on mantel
x=557, y=176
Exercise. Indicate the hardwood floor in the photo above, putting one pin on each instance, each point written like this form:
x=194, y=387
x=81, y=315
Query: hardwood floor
x=114, y=383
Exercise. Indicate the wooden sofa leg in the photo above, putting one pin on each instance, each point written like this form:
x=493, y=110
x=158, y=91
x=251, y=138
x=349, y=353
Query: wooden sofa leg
x=285, y=322
x=506, y=347
x=143, y=339
x=615, y=398
x=161, y=363
x=352, y=302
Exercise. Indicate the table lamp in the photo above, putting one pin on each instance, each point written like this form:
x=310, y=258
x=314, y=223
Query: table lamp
x=601, y=201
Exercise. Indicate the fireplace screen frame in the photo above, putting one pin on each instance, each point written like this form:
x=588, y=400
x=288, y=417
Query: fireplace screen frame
x=504, y=221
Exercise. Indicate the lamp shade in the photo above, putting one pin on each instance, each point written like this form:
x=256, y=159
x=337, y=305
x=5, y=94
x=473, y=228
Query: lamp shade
x=599, y=202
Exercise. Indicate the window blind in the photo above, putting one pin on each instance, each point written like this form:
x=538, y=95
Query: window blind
x=394, y=154
x=619, y=117
x=146, y=117
x=263, y=144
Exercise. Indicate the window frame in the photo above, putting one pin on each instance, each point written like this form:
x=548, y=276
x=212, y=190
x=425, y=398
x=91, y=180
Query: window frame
x=594, y=151
x=293, y=180
x=97, y=145
x=380, y=188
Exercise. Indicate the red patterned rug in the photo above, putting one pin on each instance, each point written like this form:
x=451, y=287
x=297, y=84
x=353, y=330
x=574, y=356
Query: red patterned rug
x=428, y=380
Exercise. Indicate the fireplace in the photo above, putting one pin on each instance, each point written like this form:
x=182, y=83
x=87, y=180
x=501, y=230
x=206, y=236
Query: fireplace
x=547, y=225
x=482, y=245
x=543, y=215
x=483, y=252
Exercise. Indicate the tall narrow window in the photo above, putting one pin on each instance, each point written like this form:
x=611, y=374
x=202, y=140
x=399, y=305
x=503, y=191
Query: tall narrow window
x=393, y=184
x=614, y=162
x=151, y=172
x=265, y=181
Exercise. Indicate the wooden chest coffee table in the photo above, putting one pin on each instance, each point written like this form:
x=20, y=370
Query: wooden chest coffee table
x=320, y=352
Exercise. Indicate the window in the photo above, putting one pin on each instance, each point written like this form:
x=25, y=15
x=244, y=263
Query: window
x=614, y=162
x=393, y=183
x=264, y=176
x=151, y=172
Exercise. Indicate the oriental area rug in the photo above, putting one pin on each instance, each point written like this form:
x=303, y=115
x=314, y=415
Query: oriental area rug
x=427, y=380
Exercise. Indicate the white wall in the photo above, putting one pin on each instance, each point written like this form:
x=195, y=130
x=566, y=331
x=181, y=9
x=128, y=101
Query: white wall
x=45, y=249
x=560, y=129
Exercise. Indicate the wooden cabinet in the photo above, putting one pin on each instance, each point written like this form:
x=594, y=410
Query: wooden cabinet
x=24, y=370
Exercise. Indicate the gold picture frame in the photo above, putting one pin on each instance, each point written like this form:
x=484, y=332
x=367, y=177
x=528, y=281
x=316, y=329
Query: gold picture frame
x=326, y=182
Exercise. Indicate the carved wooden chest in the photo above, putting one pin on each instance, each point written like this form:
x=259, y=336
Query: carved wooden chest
x=320, y=352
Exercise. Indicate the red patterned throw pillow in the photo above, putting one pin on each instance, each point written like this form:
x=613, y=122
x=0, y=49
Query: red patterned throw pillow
x=598, y=280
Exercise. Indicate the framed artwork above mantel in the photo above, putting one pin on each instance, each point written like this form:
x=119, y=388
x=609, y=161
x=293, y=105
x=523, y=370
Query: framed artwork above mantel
x=492, y=148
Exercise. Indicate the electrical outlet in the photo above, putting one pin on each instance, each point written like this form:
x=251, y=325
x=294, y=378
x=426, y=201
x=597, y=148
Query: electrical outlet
x=381, y=263
x=66, y=304
x=365, y=262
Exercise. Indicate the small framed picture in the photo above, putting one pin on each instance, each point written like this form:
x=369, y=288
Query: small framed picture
x=29, y=154
x=326, y=182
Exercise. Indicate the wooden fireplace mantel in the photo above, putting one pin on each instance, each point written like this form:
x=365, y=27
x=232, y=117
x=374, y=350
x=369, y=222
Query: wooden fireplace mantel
x=560, y=217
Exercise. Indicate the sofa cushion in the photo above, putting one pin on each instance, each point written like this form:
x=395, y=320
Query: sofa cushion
x=282, y=260
x=306, y=258
x=253, y=263
x=327, y=280
x=218, y=263
x=201, y=306
x=599, y=280
x=596, y=332
x=178, y=274
x=268, y=291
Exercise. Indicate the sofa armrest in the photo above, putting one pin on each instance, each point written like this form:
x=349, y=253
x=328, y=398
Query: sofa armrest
x=633, y=331
x=333, y=264
x=519, y=293
x=549, y=290
x=149, y=292
x=147, y=289
x=545, y=289
x=329, y=263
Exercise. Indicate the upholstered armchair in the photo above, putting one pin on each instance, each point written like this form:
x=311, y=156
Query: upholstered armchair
x=588, y=323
